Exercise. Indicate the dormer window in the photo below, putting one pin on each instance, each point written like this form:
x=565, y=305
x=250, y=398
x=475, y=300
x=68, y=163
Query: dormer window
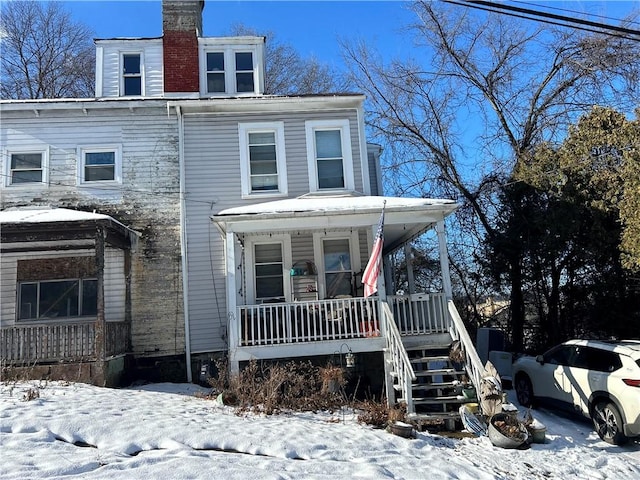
x=131, y=74
x=231, y=66
x=215, y=72
x=244, y=72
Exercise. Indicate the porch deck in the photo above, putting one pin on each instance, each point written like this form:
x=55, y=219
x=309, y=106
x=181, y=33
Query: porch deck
x=302, y=324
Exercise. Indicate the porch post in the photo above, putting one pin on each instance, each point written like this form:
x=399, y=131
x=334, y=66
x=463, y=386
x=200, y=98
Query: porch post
x=444, y=260
x=234, y=334
x=101, y=331
x=409, y=263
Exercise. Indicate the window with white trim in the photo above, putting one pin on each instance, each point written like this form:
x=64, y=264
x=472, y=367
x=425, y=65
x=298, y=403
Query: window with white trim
x=100, y=164
x=231, y=66
x=27, y=167
x=131, y=74
x=269, y=272
x=262, y=158
x=244, y=72
x=338, y=255
x=215, y=72
x=329, y=157
x=57, y=299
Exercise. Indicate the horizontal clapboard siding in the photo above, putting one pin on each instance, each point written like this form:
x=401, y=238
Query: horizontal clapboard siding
x=146, y=201
x=213, y=183
x=151, y=51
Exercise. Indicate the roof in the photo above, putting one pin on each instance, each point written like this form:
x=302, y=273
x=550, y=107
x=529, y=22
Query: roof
x=336, y=204
x=47, y=218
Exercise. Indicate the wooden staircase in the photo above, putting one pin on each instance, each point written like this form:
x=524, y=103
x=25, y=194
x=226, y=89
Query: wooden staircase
x=437, y=389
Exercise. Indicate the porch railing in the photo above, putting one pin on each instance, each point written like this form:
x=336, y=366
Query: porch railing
x=32, y=344
x=472, y=361
x=397, y=356
x=420, y=313
x=334, y=319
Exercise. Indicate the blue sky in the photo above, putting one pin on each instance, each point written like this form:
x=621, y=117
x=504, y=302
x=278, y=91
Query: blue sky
x=313, y=27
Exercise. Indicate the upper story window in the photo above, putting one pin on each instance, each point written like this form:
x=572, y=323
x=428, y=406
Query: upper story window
x=262, y=158
x=244, y=72
x=131, y=74
x=231, y=66
x=215, y=72
x=99, y=164
x=27, y=167
x=329, y=157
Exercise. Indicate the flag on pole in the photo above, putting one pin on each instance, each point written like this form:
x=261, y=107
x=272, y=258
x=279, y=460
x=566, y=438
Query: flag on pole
x=371, y=271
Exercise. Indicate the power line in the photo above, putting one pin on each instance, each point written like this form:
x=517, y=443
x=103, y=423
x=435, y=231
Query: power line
x=576, y=12
x=550, y=18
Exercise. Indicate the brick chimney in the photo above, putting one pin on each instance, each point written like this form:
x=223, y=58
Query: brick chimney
x=181, y=27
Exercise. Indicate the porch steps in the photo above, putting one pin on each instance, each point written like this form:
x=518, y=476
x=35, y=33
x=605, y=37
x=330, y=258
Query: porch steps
x=437, y=390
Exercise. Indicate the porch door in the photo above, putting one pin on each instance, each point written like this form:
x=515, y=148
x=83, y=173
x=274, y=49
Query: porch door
x=338, y=269
x=269, y=272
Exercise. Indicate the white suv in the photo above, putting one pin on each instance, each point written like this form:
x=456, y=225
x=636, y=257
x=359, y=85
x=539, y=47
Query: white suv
x=601, y=380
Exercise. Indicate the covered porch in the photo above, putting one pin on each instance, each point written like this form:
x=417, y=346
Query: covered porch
x=65, y=310
x=294, y=268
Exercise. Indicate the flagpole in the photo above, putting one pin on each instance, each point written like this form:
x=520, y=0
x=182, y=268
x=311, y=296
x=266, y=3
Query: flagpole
x=374, y=265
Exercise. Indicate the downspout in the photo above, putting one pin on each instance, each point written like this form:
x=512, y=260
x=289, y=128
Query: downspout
x=183, y=246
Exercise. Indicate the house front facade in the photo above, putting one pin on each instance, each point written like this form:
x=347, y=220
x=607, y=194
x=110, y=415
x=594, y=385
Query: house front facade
x=249, y=218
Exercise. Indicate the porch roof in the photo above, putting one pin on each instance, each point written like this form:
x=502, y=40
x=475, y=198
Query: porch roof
x=42, y=223
x=405, y=218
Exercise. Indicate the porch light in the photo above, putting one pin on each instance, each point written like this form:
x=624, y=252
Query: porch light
x=349, y=358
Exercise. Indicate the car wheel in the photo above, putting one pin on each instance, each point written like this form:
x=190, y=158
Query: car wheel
x=524, y=390
x=607, y=422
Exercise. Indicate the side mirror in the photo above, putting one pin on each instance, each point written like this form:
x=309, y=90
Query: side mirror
x=540, y=359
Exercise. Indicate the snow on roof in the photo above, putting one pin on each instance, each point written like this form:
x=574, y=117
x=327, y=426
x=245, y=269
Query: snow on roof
x=51, y=215
x=338, y=204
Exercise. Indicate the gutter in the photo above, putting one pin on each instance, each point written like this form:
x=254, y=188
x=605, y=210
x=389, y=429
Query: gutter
x=183, y=246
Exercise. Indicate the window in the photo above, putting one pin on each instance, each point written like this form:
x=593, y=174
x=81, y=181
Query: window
x=215, y=72
x=244, y=72
x=329, y=155
x=262, y=158
x=131, y=74
x=337, y=267
x=231, y=66
x=99, y=164
x=27, y=167
x=269, y=272
x=57, y=299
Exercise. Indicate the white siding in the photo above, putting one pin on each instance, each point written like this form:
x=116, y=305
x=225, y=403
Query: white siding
x=110, y=69
x=114, y=285
x=147, y=200
x=212, y=183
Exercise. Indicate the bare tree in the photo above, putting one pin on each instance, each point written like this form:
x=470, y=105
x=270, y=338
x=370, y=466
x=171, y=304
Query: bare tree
x=45, y=54
x=287, y=73
x=479, y=92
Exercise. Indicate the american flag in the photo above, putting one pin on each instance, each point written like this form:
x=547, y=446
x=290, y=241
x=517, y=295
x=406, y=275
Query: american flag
x=371, y=271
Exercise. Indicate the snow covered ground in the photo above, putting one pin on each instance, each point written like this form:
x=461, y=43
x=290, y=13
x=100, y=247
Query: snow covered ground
x=165, y=431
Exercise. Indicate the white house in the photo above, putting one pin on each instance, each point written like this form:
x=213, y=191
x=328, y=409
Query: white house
x=254, y=217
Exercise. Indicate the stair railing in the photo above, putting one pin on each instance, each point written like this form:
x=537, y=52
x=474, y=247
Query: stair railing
x=398, y=356
x=473, y=364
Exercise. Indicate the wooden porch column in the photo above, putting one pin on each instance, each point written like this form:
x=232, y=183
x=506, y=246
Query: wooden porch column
x=234, y=322
x=409, y=263
x=101, y=327
x=444, y=260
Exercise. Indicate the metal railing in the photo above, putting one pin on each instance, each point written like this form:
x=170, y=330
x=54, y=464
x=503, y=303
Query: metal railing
x=397, y=355
x=334, y=319
x=420, y=314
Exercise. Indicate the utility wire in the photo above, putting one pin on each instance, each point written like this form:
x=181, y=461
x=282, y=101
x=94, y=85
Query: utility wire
x=576, y=12
x=549, y=18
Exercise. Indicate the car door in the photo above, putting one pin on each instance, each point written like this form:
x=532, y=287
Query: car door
x=577, y=378
x=552, y=381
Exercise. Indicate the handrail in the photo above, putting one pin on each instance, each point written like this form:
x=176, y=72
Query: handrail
x=473, y=364
x=399, y=357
